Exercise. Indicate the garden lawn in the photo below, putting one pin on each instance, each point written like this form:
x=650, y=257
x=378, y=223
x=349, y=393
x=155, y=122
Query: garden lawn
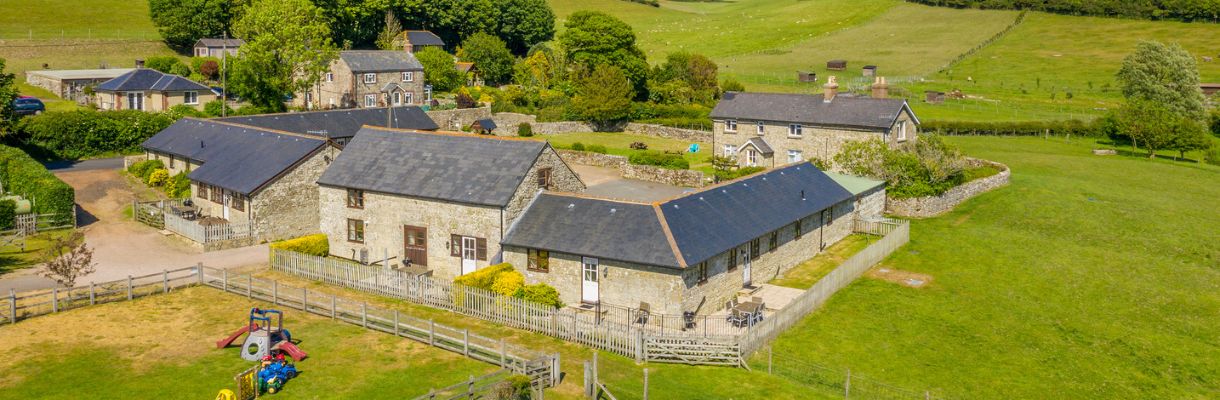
x=807, y=273
x=1087, y=277
x=164, y=346
x=619, y=143
x=13, y=257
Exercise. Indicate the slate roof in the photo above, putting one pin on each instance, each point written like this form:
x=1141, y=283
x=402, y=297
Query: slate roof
x=337, y=124
x=149, y=79
x=217, y=42
x=380, y=60
x=462, y=168
x=702, y=224
x=843, y=111
x=424, y=38
x=237, y=158
x=761, y=145
x=485, y=124
x=595, y=228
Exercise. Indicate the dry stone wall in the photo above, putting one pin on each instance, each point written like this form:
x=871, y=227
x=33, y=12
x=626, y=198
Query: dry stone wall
x=931, y=206
x=675, y=177
x=456, y=119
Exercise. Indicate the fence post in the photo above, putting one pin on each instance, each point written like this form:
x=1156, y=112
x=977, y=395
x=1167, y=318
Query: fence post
x=129, y=287
x=55, y=299
x=470, y=387
x=164, y=281
x=92, y=298
x=595, y=381
x=645, y=383
x=432, y=332
x=224, y=280
x=588, y=380
x=466, y=342
x=396, y=323
x=503, y=354
x=332, y=306
x=364, y=315
x=199, y=271
x=250, y=286
x=305, y=299
x=275, y=292
x=847, y=386
x=12, y=306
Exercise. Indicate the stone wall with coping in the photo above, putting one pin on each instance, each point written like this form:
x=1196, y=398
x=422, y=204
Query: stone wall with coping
x=674, y=177
x=458, y=118
x=931, y=206
x=619, y=282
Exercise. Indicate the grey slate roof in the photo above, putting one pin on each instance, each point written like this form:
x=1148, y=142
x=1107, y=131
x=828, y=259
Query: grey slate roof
x=703, y=224
x=461, y=168
x=843, y=111
x=595, y=228
x=149, y=79
x=486, y=124
x=424, y=38
x=380, y=60
x=337, y=124
x=218, y=42
x=235, y=158
x=761, y=145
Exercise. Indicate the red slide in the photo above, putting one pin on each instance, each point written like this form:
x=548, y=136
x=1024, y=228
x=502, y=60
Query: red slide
x=293, y=351
x=222, y=343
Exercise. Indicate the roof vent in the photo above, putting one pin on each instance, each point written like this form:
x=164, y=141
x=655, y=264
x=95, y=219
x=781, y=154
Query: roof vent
x=612, y=211
x=802, y=194
x=201, y=145
x=701, y=198
x=571, y=206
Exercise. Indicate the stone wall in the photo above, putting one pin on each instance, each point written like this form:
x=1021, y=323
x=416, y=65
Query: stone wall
x=563, y=179
x=619, y=283
x=594, y=159
x=456, y=119
x=921, y=207
x=669, y=132
x=288, y=207
x=675, y=177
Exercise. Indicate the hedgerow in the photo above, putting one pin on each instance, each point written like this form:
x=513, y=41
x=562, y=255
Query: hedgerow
x=24, y=176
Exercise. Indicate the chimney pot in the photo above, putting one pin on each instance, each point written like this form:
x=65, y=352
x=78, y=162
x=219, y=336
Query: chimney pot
x=881, y=89
x=831, y=89
x=139, y=63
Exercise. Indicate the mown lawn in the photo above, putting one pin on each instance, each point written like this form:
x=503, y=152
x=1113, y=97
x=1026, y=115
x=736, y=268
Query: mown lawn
x=807, y=273
x=1087, y=277
x=164, y=347
x=619, y=143
x=13, y=257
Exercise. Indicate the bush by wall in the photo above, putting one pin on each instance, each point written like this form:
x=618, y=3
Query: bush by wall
x=8, y=211
x=24, y=176
x=1036, y=128
x=659, y=159
x=314, y=245
x=928, y=167
x=178, y=186
x=143, y=168
x=483, y=278
x=540, y=293
x=504, y=280
x=524, y=129
x=83, y=133
x=596, y=148
x=158, y=177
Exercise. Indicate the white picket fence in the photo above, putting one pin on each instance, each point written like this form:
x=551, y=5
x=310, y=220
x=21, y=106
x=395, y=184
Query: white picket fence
x=199, y=233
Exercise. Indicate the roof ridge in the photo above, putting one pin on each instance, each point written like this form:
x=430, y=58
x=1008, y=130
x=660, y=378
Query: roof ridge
x=258, y=128
x=669, y=236
x=708, y=188
x=455, y=134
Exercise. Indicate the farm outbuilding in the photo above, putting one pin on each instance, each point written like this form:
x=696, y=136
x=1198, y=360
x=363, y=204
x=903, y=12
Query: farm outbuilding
x=806, y=76
x=836, y=65
x=869, y=70
x=70, y=84
x=934, y=97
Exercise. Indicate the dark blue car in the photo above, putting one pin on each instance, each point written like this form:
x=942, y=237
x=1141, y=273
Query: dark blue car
x=26, y=105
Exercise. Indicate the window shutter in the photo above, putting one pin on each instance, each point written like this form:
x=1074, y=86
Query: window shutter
x=480, y=249
x=455, y=245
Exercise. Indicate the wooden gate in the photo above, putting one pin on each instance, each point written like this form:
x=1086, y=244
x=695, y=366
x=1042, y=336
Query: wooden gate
x=149, y=214
x=695, y=351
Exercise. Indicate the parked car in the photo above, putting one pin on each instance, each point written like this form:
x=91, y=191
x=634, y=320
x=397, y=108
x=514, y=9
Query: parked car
x=26, y=105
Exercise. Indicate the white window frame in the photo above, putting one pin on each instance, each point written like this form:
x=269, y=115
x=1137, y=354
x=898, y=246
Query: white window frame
x=190, y=97
x=135, y=97
x=730, y=150
x=794, y=156
x=762, y=128
x=370, y=78
x=408, y=98
x=330, y=76
x=751, y=157
x=408, y=76
x=370, y=100
x=730, y=125
x=202, y=52
x=795, y=130
x=397, y=98
x=902, y=131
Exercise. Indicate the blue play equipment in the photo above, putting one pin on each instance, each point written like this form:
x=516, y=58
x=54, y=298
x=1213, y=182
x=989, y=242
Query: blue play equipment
x=694, y=148
x=274, y=374
x=262, y=336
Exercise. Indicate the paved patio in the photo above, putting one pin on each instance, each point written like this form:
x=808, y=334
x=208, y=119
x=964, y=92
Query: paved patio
x=607, y=182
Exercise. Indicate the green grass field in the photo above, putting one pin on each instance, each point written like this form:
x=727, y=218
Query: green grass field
x=13, y=257
x=620, y=144
x=163, y=346
x=764, y=42
x=1087, y=277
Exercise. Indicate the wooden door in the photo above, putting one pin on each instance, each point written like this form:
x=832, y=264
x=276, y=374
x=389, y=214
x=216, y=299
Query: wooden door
x=415, y=244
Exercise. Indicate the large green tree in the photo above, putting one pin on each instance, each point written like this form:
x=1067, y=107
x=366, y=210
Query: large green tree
x=183, y=22
x=490, y=55
x=525, y=23
x=604, y=96
x=440, y=69
x=8, y=92
x=1150, y=125
x=1164, y=74
x=684, y=78
x=593, y=39
x=288, y=48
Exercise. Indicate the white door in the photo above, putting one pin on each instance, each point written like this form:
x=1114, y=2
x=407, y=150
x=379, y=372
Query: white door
x=225, y=205
x=468, y=255
x=588, y=272
x=745, y=267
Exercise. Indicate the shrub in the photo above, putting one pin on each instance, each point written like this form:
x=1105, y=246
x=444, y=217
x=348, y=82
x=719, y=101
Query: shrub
x=314, y=245
x=659, y=159
x=210, y=70
x=84, y=133
x=578, y=146
x=483, y=278
x=638, y=146
x=820, y=163
x=465, y=101
x=216, y=108
x=1036, y=128
x=540, y=293
x=178, y=186
x=524, y=129
x=24, y=176
x=8, y=211
x=1212, y=156
x=158, y=177
x=596, y=148
x=183, y=110
x=508, y=282
x=927, y=167
x=164, y=64
x=143, y=168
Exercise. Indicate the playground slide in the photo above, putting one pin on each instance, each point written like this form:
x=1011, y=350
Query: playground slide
x=222, y=343
x=293, y=351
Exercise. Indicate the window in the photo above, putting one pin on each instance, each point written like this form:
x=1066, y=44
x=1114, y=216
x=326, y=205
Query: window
x=201, y=191
x=732, y=259
x=539, y=260
x=701, y=272
x=370, y=78
x=201, y=52
x=773, y=241
x=762, y=128
x=190, y=97
x=355, y=198
x=308, y=98
x=902, y=130
x=409, y=99
x=797, y=227
x=730, y=150
x=794, y=130
x=355, y=230
x=544, y=178
x=135, y=101
x=171, y=161
x=755, y=248
x=397, y=98
x=218, y=195
x=238, y=202
x=730, y=125
x=330, y=76
x=794, y=156
x=408, y=76
x=370, y=100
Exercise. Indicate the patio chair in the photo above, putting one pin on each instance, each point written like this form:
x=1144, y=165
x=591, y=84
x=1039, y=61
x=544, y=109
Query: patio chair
x=688, y=320
x=756, y=299
x=641, y=316
x=736, y=318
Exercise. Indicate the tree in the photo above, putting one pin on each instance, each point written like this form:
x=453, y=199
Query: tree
x=210, y=69
x=68, y=259
x=440, y=70
x=604, y=96
x=684, y=78
x=165, y=64
x=1189, y=135
x=732, y=85
x=183, y=22
x=388, y=38
x=8, y=92
x=490, y=55
x=1164, y=74
x=1149, y=124
x=525, y=23
x=593, y=39
x=288, y=48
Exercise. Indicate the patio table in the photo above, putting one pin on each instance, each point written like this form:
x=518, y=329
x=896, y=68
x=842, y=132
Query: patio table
x=752, y=310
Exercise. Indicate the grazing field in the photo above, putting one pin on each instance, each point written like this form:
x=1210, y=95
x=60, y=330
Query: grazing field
x=164, y=345
x=1087, y=277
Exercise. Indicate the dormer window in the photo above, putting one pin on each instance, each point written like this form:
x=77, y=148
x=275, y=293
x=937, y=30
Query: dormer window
x=730, y=125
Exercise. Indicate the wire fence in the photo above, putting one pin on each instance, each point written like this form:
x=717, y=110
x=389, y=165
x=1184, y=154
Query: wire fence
x=835, y=380
x=79, y=33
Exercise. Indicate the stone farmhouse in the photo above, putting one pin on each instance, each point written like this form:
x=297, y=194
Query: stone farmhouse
x=339, y=126
x=150, y=90
x=216, y=47
x=367, y=79
x=246, y=174
x=439, y=202
x=774, y=129
x=691, y=253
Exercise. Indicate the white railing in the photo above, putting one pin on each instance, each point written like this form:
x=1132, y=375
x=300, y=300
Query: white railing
x=200, y=233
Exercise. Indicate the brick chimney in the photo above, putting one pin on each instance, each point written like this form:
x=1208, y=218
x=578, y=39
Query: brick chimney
x=139, y=63
x=406, y=43
x=881, y=89
x=831, y=89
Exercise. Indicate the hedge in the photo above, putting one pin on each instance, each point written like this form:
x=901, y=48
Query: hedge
x=1058, y=128
x=84, y=133
x=483, y=278
x=504, y=280
x=657, y=158
x=314, y=245
x=144, y=168
x=23, y=176
x=8, y=214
